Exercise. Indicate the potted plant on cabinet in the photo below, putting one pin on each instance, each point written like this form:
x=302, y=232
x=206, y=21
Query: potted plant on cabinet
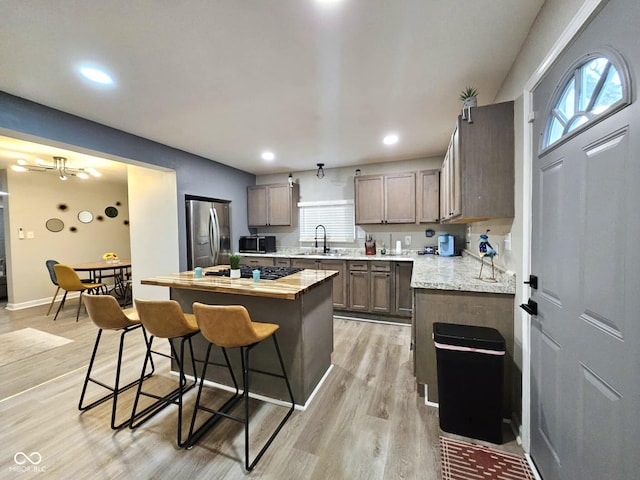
x=234, y=264
x=469, y=97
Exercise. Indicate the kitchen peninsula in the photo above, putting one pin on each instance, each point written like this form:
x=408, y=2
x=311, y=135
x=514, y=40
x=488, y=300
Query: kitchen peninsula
x=300, y=303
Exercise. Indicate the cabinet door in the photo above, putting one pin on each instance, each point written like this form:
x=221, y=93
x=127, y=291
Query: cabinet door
x=369, y=198
x=403, y=292
x=400, y=198
x=429, y=196
x=359, y=290
x=445, y=204
x=339, y=282
x=455, y=180
x=380, y=292
x=279, y=201
x=257, y=206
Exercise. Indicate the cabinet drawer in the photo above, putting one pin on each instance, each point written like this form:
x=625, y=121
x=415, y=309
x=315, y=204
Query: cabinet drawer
x=364, y=266
x=281, y=262
x=380, y=266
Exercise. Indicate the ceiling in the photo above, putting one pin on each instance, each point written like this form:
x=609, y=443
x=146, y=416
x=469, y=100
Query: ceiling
x=229, y=79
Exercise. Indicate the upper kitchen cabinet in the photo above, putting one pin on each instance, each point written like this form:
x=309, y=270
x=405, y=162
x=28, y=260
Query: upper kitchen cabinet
x=385, y=198
x=477, y=175
x=270, y=205
x=428, y=198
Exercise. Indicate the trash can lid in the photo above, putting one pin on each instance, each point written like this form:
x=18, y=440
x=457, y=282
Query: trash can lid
x=470, y=336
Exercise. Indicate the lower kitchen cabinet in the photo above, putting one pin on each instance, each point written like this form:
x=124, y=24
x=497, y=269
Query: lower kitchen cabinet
x=339, y=282
x=467, y=308
x=381, y=281
x=359, y=286
x=403, y=305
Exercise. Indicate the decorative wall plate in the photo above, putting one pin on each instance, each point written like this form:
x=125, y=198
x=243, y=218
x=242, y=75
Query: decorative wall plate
x=54, y=225
x=85, y=216
x=111, y=212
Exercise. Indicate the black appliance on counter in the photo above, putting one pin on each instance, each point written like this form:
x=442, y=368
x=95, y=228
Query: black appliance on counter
x=266, y=272
x=257, y=244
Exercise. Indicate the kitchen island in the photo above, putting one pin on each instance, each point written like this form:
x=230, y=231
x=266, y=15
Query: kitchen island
x=299, y=303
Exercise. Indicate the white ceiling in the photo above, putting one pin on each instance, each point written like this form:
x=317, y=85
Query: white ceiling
x=228, y=79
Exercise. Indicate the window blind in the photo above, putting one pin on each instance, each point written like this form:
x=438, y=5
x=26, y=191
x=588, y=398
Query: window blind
x=337, y=216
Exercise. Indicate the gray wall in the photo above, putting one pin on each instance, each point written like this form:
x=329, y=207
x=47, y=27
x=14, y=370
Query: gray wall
x=195, y=175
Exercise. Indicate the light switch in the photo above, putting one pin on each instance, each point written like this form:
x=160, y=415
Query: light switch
x=30, y=235
x=407, y=240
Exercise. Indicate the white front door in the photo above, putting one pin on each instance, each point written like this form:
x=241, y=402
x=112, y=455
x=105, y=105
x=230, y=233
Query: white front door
x=585, y=338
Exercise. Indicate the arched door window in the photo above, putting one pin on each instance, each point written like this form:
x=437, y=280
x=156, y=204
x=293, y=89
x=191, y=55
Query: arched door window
x=593, y=88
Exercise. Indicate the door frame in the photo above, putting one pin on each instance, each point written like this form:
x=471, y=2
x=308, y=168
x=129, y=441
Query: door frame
x=583, y=15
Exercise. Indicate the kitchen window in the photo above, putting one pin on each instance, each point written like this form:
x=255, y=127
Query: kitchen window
x=337, y=216
x=592, y=89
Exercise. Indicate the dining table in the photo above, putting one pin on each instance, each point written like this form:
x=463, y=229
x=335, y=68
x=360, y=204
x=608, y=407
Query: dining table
x=119, y=270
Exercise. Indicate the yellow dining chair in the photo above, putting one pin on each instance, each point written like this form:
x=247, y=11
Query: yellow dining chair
x=69, y=281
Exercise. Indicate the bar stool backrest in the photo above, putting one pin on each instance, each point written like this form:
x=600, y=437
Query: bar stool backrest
x=227, y=326
x=106, y=313
x=163, y=318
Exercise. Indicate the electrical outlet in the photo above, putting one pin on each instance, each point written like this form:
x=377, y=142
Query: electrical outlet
x=407, y=240
x=507, y=242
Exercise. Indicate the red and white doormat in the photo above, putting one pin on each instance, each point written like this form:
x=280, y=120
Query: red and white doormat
x=468, y=461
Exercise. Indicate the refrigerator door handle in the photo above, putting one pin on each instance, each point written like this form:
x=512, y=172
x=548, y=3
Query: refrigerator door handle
x=214, y=241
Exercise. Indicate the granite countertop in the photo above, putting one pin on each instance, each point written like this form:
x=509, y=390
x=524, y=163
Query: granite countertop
x=461, y=274
x=287, y=288
x=433, y=272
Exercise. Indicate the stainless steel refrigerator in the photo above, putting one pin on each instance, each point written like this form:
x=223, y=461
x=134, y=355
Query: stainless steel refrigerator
x=208, y=232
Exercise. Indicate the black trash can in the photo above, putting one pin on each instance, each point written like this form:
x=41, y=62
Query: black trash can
x=470, y=365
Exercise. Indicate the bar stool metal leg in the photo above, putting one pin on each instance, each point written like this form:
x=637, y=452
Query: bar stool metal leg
x=175, y=397
x=116, y=389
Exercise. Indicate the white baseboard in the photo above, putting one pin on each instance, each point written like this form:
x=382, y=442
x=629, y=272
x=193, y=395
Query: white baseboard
x=264, y=398
x=39, y=301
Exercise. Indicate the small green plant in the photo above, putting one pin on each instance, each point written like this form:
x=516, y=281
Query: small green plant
x=468, y=93
x=234, y=261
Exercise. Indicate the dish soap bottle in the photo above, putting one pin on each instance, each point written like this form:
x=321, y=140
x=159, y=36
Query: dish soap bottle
x=383, y=251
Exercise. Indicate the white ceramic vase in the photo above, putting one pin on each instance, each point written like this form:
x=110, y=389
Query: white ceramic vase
x=235, y=273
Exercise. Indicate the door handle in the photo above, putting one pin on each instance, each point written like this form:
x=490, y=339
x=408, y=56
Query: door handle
x=533, y=282
x=531, y=307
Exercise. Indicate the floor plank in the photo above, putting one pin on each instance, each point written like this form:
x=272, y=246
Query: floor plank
x=367, y=422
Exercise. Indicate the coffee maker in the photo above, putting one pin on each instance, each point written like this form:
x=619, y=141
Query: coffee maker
x=446, y=245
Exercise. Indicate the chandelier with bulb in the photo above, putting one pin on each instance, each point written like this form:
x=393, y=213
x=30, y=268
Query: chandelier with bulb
x=59, y=166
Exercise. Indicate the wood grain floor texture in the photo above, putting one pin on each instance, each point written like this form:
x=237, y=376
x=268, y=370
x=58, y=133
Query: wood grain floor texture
x=367, y=422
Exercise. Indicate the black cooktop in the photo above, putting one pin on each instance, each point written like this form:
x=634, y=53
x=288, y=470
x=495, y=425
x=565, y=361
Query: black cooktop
x=266, y=273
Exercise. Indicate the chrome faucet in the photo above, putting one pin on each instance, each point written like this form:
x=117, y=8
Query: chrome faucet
x=325, y=249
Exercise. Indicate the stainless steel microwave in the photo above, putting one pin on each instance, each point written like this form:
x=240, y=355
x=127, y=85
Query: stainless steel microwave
x=257, y=244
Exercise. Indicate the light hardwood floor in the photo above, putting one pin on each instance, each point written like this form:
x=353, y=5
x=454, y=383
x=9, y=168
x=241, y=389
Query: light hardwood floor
x=367, y=421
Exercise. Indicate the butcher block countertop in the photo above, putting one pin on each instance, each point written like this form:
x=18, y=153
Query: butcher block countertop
x=287, y=288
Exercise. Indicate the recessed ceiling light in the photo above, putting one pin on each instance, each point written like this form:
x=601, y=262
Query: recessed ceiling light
x=96, y=75
x=390, y=139
x=268, y=156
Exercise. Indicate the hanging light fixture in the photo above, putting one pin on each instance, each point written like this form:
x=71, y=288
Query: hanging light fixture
x=59, y=166
x=320, y=172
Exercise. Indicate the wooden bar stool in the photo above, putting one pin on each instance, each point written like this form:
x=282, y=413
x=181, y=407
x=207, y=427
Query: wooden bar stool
x=229, y=326
x=165, y=319
x=105, y=312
